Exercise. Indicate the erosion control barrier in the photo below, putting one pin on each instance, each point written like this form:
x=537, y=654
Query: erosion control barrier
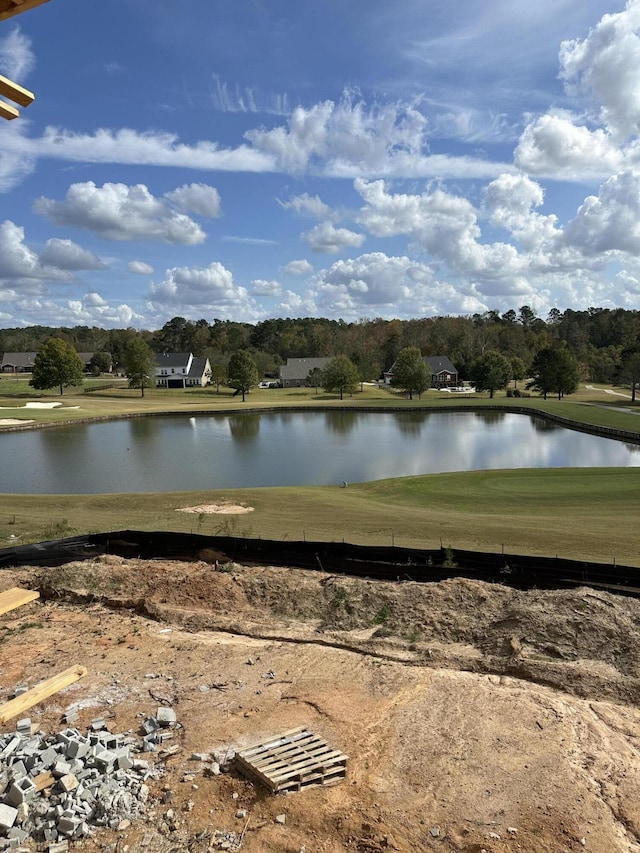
x=376, y=563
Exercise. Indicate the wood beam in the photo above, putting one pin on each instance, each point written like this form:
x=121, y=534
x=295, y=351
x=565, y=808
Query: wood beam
x=7, y=111
x=16, y=597
x=9, y=8
x=15, y=707
x=15, y=92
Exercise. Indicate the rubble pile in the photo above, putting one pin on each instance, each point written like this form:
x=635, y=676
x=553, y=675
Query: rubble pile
x=62, y=786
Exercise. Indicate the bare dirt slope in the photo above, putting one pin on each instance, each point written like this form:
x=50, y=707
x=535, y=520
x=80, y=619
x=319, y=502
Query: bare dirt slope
x=475, y=717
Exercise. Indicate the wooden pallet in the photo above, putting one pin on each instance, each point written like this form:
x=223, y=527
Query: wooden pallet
x=291, y=761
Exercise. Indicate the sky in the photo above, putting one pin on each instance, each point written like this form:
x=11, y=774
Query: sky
x=249, y=159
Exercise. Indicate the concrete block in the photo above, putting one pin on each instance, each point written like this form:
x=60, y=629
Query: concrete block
x=49, y=756
x=17, y=770
x=68, y=825
x=67, y=735
x=77, y=748
x=8, y=816
x=20, y=791
x=150, y=725
x=61, y=768
x=58, y=847
x=10, y=747
x=17, y=833
x=67, y=783
x=23, y=726
x=98, y=724
x=166, y=716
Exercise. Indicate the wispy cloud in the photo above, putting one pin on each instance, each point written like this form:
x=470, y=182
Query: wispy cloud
x=230, y=98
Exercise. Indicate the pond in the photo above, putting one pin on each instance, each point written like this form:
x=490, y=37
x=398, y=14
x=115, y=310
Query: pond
x=182, y=453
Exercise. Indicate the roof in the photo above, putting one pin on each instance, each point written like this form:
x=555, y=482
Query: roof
x=9, y=8
x=173, y=359
x=198, y=367
x=299, y=368
x=439, y=364
x=19, y=359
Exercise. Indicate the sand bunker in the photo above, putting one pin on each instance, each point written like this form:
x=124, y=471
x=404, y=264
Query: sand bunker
x=11, y=421
x=224, y=509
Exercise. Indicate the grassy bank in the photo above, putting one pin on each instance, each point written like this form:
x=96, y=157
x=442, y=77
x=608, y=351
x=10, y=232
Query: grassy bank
x=582, y=513
x=589, y=514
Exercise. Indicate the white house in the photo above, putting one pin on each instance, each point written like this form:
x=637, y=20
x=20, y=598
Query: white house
x=181, y=370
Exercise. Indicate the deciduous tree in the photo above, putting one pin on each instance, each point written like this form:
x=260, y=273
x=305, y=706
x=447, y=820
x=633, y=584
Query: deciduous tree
x=242, y=372
x=139, y=364
x=490, y=372
x=410, y=372
x=341, y=375
x=56, y=364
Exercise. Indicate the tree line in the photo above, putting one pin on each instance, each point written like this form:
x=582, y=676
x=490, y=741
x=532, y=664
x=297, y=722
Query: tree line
x=602, y=341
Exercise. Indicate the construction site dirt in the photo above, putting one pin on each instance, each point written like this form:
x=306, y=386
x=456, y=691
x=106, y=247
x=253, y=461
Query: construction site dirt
x=475, y=717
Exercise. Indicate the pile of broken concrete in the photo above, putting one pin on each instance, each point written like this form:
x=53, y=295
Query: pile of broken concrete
x=63, y=786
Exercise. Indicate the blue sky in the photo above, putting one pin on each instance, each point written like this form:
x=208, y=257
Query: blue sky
x=247, y=159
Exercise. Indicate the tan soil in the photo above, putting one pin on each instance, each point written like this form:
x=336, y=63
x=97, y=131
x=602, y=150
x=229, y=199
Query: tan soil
x=475, y=717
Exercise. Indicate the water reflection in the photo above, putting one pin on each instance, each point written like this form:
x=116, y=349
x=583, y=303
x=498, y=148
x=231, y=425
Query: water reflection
x=542, y=425
x=281, y=448
x=244, y=427
x=341, y=423
x=412, y=424
x=490, y=416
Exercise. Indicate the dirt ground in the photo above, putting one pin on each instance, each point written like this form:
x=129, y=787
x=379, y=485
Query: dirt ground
x=475, y=717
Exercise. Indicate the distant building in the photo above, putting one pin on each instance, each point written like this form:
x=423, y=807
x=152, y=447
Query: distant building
x=22, y=362
x=181, y=370
x=294, y=373
x=443, y=373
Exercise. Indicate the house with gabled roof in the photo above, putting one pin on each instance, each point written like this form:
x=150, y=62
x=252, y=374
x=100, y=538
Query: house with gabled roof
x=295, y=372
x=17, y=362
x=181, y=370
x=443, y=373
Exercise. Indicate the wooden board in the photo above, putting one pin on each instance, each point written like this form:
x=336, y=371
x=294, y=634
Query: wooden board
x=7, y=111
x=41, y=691
x=16, y=597
x=15, y=92
x=292, y=761
x=9, y=8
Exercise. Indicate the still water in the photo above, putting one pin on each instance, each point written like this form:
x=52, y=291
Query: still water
x=282, y=449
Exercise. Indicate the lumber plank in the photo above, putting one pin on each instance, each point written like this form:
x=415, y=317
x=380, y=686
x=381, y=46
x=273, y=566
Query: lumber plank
x=16, y=597
x=44, y=780
x=7, y=111
x=41, y=691
x=15, y=92
x=15, y=7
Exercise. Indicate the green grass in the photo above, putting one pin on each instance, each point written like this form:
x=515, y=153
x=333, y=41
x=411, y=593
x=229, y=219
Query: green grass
x=578, y=513
x=589, y=514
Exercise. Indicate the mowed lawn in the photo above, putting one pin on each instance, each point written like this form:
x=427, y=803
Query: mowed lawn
x=589, y=514
x=583, y=513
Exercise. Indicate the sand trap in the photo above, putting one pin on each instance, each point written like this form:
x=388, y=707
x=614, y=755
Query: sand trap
x=41, y=405
x=224, y=509
x=11, y=421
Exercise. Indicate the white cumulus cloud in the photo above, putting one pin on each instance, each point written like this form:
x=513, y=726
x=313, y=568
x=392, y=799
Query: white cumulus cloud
x=196, y=198
x=300, y=267
x=329, y=240
x=121, y=212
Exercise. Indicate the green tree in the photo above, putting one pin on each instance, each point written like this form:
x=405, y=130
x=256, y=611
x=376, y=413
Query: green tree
x=341, y=375
x=139, y=364
x=314, y=378
x=518, y=370
x=242, y=372
x=100, y=363
x=410, y=372
x=629, y=368
x=56, y=364
x=490, y=372
x=554, y=369
x=218, y=375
